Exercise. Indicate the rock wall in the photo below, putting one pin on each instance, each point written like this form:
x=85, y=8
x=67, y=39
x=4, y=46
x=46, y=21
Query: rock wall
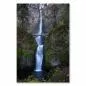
x=52, y=15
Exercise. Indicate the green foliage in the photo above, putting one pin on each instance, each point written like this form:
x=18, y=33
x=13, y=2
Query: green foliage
x=57, y=76
x=57, y=44
x=31, y=78
x=24, y=53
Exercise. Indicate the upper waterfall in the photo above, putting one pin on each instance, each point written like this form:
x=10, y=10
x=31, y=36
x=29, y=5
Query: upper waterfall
x=40, y=21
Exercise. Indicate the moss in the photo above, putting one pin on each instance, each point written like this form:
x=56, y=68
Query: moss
x=57, y=76
x=26, y=46
x=57, y=44
x=64, y=58
x=25, y=50
x=24, y=53
x=31, y=78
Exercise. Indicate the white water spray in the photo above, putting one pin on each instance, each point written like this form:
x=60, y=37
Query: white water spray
x=39, y=51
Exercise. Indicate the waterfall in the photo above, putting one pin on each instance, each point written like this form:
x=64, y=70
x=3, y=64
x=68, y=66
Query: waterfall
x=39, y=40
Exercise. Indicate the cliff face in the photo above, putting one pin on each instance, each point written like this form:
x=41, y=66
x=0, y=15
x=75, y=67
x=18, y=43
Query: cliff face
x=56, y=30
x=57, y=40
x=29, y=14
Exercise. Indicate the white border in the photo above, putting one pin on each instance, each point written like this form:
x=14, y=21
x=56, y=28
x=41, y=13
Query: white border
x=8, y=42
x=44, y=1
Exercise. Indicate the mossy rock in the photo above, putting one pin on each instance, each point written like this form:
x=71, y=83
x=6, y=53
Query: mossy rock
x=57, y=45
x=31, y=78
x=25, y=48
x=57, y=76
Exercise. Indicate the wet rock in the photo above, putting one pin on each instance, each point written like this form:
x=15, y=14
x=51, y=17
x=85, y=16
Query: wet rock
x=26, y=62
x=54, y=62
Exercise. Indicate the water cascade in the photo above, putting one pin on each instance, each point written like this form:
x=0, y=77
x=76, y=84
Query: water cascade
x=39, y=40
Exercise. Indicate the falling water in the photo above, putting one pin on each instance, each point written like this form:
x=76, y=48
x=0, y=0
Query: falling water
x=39, y=40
